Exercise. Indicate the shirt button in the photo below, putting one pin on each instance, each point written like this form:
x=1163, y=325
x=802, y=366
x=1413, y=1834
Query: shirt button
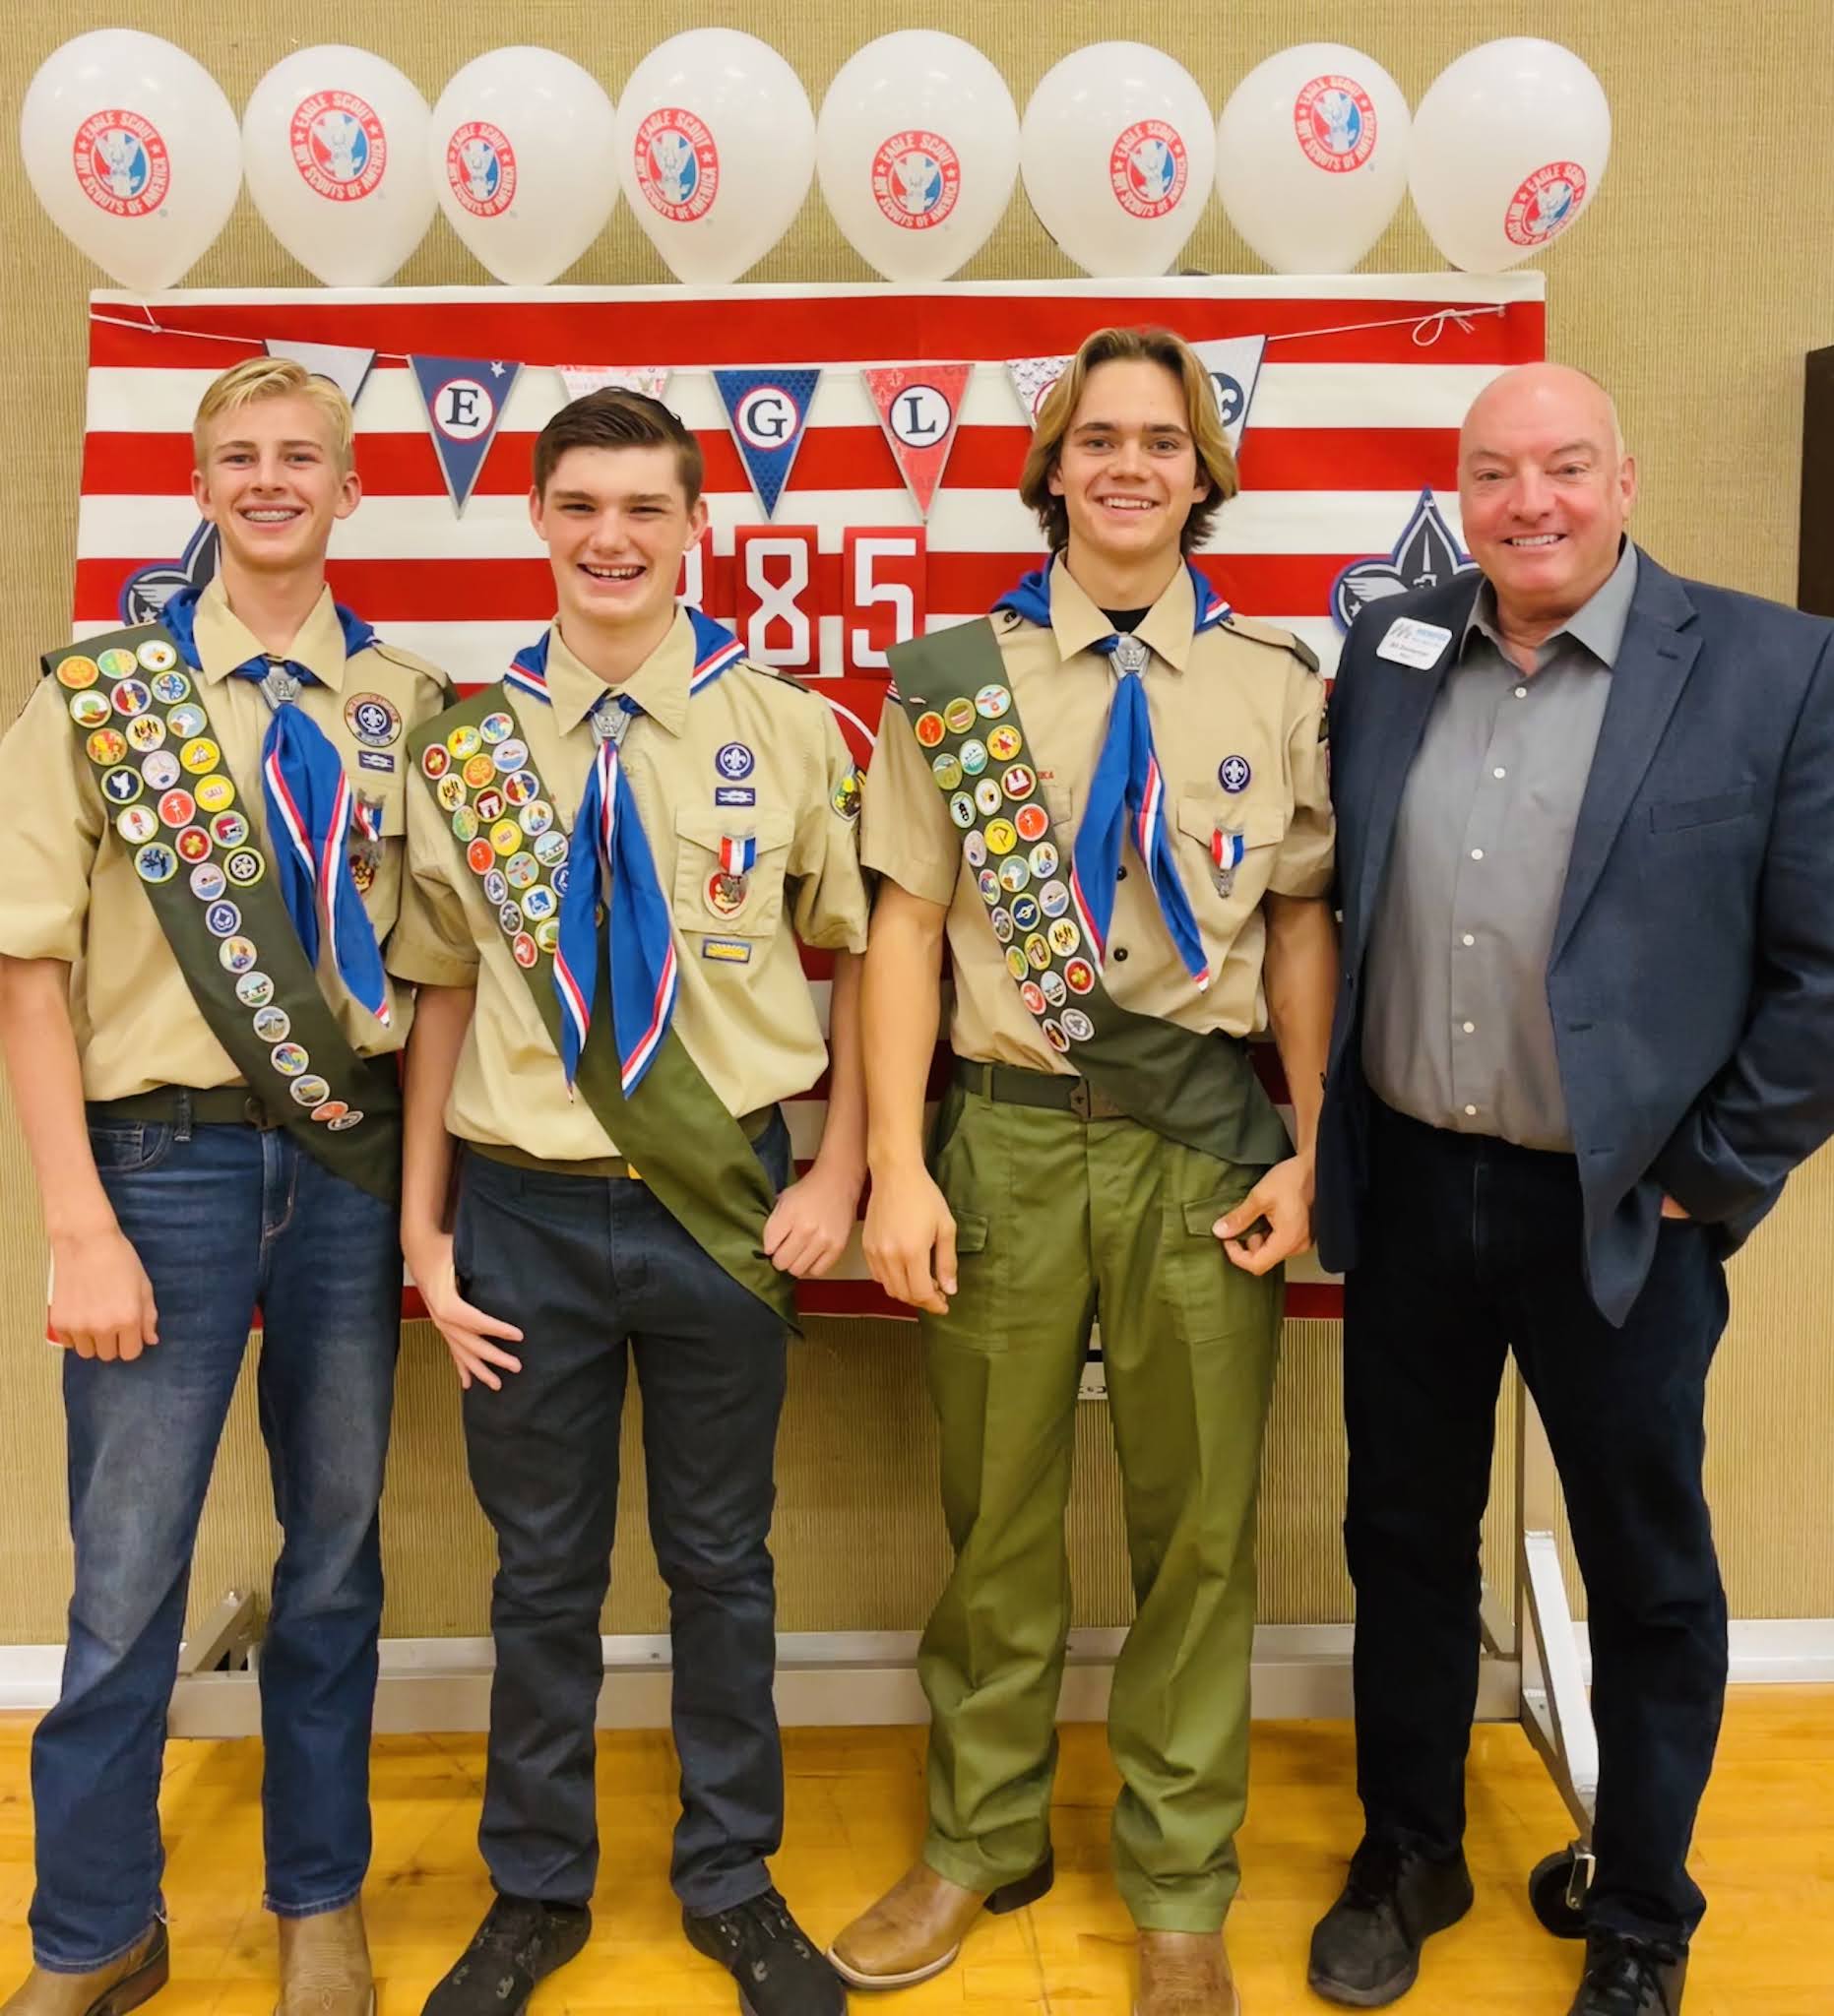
x=1120, y=952
x=1471, y=1112
x=1477, y=854
x=1499, y=770
x=1521, y=692
x=1470, y=1028
x=1121, y=874
x=1468, y=939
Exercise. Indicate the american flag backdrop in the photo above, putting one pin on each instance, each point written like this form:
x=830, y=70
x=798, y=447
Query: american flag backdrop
x=1354, y=413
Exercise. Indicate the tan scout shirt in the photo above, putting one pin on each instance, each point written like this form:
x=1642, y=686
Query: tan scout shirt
x=1238, y=690
x=742, y=1007
x=67, y=883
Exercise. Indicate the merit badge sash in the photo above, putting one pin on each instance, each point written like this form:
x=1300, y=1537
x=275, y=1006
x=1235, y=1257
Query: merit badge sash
x=673, y=1126
x=138, y=713
x=1195, y=1088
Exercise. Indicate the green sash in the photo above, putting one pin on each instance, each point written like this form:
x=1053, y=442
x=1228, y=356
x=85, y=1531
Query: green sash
x=675, y=1128
x=159, y=770
x=1195, y=1088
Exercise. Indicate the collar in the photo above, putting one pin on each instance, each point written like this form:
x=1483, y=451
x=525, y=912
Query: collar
x=1165, y=628
x=660, y=685
x=1598, y=625
x=219, y=640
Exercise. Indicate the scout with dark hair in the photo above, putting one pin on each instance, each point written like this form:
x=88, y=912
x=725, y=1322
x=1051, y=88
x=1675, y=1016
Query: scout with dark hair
x=1111, y=800
x=211, y=811
x=615, y=852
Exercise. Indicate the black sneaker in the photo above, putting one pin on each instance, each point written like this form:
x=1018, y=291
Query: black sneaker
x=1366, y=1948
x=778, y=1968
x=521, y=1941
x=1627, y=1976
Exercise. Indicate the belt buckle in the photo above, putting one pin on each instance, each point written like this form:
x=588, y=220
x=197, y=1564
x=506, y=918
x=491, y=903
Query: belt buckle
x=259, y=1117
x=1081, y=1100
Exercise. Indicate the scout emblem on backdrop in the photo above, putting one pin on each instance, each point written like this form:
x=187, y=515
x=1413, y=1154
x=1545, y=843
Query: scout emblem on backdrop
x=1423, y=556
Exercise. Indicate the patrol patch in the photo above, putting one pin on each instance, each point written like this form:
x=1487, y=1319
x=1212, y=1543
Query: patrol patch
x=846, y=799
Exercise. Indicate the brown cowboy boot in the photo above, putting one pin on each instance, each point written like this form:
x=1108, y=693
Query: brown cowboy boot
x=123, y=1984
x=917, y=1928
x=1186, y=1973
x=324, y=1965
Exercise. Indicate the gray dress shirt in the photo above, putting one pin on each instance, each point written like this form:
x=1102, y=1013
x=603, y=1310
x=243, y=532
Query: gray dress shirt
x=1456, y=1026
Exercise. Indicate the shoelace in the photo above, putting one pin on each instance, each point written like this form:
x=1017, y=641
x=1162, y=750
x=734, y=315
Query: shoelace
x=509, y=1927
x=1625, y=1969
x=751, y=1929
x=1374, y=1875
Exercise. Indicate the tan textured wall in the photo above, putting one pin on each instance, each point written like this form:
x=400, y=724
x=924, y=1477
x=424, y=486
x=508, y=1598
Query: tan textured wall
x=1692, y=288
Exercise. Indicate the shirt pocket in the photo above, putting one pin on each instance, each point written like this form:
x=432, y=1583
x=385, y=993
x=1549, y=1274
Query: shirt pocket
x=1262, y=828
x=705, y=900
x=375, y=855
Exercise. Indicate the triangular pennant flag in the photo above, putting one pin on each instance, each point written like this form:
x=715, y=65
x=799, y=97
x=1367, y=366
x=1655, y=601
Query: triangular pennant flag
x=347, y=369
x=768, y=410
x=464, y=397
x=1233, y=363
x=580, y=379
x=920, y=406
x=1031, y=378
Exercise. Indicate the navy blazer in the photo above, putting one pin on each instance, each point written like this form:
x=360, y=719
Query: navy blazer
x=1691, y=975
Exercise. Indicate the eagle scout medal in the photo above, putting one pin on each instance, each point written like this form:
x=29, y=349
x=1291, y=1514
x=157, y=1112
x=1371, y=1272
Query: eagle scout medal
x=1226, y=846
x=731, y=883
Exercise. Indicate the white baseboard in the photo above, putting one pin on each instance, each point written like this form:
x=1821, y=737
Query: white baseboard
x=854, y=1679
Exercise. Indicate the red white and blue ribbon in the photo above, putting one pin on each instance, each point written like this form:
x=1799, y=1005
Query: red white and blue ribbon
x=738, y=852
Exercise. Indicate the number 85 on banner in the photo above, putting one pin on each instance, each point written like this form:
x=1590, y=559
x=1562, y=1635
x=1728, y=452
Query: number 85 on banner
x=817, y=614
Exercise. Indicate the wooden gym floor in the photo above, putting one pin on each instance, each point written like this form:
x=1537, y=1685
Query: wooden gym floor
x=1765, y=1856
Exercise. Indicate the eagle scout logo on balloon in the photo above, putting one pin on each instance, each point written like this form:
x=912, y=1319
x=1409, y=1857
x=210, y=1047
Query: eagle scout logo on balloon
x=1335, y=124
x=122, y=163
x=1546, y=204
x=339, y=146
x=1148, y=169
x=480, y=168
x=678, y=165
x=915, y=179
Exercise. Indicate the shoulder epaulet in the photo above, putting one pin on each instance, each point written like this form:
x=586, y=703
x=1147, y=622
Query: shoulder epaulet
x=408, y=661
x=781, y=678
x=1271, y=633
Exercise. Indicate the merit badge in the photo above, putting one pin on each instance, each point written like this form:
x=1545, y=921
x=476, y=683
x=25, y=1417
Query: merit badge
x=477, y=771
x=992, y=702
x=1053, y=898
x=973, y=850
x=1234, y=774
x=525, y=951
x=288, y=1059
x=1002, y=922
x=346, y=1121
x=522, y=871
x=146, y=732
x=482, y=855
x=223, y=919
x=1225, y=852
x=137, y=825
x=310, y=1091
x=156, y=655
x=540, y=902
x=89, y=710
x=1037, y=952
x=1080, y=976
x=208, y=882
x=489, y=804
x=107, y=746
x=508, y=917
x=372, y=720
x=187, y=720
x=508, y=756
x=253, y=989
x=450, y=791
x=131, y=696
x=551, y=848
x=962, y=810
x=178, y=808
x=1077, y=1025
x=161, y=771
x=536, y=817
x=1064, y=937
x=116, y=663
x=273, y=1025
x=989, y=884
x=1015, y=872
x=930, y=729
x=228, y=829
x=959, y=715
x=193, y=844
x=332, y=1109
x=521, y=787
x=121, y=786
x=1004, y=743
x=506, y=837
x=435, y=760
x=1054, y=991
x=215, y=793
x=1032, y=995
x=238, y=955
x=1043, y=860
x=735, y=761
x=1020, y=781
x=850, y=794
x=1033, y=822
x=546, y=933
x=1015, y=963
x=947, y=770
x=465, y=825
x=972, y=757
x=495, y=728
x=170, y=688
x=1025, y=913
x=199, y=755
x=1054, y=1036
x=245, y=867
x=463, y=742
x=156, y=862
x=496, y=886
x=78, y=671
x=987, y=796
x=1001, y=837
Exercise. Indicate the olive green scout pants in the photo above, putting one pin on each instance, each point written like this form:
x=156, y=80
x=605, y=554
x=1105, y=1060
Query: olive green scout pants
x=1060, y=1222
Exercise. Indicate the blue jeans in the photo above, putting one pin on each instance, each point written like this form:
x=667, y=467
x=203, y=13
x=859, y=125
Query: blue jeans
x=596, y=1274
x=222, y=1218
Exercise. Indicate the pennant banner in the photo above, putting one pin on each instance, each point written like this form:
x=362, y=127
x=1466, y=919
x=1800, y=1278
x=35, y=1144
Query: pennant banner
x=768, y=410
x=580, y=379
x=920, y=406
x=346, y=368
x=464, y=397
x=1031, y=378
x=1235, y=364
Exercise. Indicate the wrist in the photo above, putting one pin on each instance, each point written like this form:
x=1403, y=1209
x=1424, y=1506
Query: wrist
x=76, y=1223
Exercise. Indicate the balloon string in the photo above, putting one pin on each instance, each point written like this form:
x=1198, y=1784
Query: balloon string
x=203, y=334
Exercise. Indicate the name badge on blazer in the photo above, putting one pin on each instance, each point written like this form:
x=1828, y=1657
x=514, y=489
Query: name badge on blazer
x=1410, y=642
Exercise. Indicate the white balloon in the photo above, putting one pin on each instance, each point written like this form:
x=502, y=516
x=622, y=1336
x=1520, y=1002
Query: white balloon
x=522, y=150
x=916, y=147
x=132, y=148
x=715, y=149
x=334, y=146
x=1312, y=157
x=1509, y=147
x=1117, y=148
